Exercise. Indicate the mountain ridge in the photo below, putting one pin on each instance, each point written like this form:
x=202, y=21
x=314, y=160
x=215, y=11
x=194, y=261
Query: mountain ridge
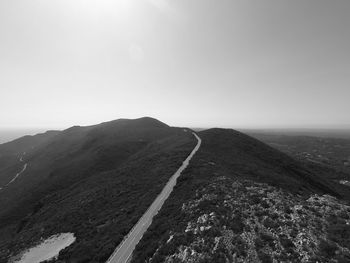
x=247, y=146
x=100, y=179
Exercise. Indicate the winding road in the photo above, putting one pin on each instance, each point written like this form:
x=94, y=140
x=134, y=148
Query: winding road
x=18, y=174
x=123, y=252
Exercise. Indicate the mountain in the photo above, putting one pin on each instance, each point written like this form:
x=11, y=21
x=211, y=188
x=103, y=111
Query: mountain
x=242, y=201
x=96, y=179
x=239, y=200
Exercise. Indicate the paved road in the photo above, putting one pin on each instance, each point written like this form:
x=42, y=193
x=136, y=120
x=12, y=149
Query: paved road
x=123, y=252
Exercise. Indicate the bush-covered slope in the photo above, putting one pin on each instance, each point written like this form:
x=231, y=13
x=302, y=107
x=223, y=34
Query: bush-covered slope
x=243, y=201
x=248, y=157
x=75, y=154
x=11, y=153
x=93, y=181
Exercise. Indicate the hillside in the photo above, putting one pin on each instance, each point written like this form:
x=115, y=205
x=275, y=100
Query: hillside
x=242, y=201
x=239, y=200
x=94, y=181
x=11, y=152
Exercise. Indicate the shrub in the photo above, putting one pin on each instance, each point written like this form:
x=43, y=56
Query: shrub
x=287, y=243
x=265, y=258
x=265, y=237
x=269, y=223
x=327, y=248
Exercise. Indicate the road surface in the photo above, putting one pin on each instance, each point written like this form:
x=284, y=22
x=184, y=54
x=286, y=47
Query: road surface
x=123, y=252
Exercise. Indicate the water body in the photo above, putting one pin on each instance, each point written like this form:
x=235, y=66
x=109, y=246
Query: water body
x=48, y=249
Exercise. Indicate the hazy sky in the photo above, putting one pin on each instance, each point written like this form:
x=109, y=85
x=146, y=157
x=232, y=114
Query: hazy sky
x=243, y=64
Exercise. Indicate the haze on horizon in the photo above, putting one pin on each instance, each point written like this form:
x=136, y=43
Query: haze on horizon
x=230, y=63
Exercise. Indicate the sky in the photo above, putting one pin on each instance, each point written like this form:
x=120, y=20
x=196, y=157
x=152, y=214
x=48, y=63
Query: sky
x=199, y=63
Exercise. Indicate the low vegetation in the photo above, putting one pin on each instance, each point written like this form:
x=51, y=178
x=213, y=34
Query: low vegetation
x=226, y=210
x=239, y=200
x=101, y=207
x=243, y=221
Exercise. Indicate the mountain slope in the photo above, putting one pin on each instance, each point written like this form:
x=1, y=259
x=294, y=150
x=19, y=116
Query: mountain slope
x=239, y=200
x=252, y=159
x=11, y=153
x=243, y=201
x=97, y=179
x=77, y=153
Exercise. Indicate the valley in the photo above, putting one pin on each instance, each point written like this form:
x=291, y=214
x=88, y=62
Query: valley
x=330, y=153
